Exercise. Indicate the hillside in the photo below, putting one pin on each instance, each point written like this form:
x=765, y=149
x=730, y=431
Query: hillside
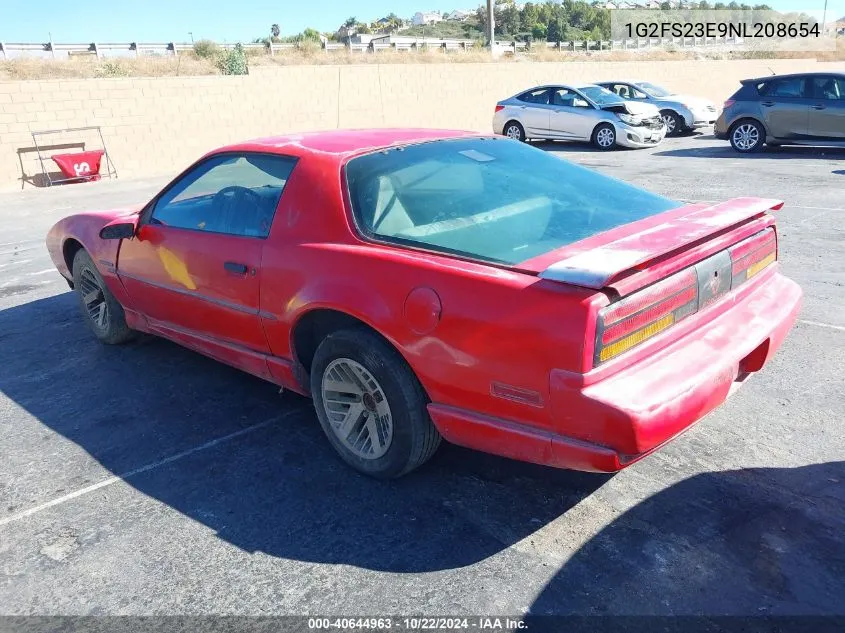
x=469, y=30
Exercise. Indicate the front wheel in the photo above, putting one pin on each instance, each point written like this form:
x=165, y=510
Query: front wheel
x=747, y=136
x=100, y=308
x=675, y=125
x=370, y=404
x=604, y=136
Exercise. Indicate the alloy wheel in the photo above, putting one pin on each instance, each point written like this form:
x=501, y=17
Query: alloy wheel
x=514, y=132
x=746, y=136
x=94, y=299
x=357, y=408
x=669, y=122
x=605, y=137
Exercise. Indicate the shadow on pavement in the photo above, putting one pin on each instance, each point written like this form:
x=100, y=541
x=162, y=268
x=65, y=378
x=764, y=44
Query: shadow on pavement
x=753, y=542
x=575, y=146
x=278, y=489
x=768, y=152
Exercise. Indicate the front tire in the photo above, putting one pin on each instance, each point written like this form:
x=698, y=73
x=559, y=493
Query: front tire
x=370, y=404
x=604, y=137
x=514, y=130
x=747, y=136
x=100, y=309
x=675, y=125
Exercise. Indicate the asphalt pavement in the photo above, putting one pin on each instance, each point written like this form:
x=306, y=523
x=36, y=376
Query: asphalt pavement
x=147, y=479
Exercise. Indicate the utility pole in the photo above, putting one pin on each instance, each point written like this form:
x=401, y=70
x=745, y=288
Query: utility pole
x=824, y=18
x=491, y=25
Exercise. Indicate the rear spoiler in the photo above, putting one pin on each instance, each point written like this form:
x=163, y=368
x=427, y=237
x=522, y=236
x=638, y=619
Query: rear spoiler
x=597, y=267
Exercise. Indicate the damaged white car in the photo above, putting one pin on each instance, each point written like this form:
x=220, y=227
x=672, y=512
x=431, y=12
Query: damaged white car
x=579, y=113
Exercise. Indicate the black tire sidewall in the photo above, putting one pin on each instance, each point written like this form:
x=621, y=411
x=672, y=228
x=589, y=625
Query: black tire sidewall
x=596, y=131
x=404, y=395
x=116, y=330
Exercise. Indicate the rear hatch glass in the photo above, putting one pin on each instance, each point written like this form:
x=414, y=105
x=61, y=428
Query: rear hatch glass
x=489, y=199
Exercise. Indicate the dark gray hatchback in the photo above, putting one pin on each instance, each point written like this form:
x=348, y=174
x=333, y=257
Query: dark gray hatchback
x=801, y=109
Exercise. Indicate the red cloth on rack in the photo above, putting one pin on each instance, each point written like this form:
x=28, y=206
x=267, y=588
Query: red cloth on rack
x=82, y=166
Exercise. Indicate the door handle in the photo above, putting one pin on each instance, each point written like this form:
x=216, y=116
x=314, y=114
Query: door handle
x=818, y=106
x=234, y=267
x=768, y=104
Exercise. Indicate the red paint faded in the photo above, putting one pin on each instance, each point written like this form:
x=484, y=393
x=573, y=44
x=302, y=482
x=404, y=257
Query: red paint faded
x=505, y=356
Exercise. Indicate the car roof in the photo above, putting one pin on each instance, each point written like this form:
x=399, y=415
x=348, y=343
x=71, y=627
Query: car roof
x=559, y=85
x=341, y=143
x=794, y=75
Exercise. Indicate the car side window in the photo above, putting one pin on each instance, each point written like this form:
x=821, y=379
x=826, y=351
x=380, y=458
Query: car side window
x=637, y=94
x=235, y=194
x=540, y=96
x=830, y=88
x=563, y=97
x=786, y=87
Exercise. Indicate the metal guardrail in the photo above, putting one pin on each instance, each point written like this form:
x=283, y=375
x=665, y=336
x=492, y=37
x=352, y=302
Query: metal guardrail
x=102, y=49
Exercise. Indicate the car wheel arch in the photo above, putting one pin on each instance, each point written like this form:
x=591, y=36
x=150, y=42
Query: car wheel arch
x=516, y=122
x=592, y=136
x=745, y=118
x=70, y=247
x=313, y=325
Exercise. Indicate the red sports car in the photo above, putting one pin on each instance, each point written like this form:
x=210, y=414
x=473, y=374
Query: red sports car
x=428, y=284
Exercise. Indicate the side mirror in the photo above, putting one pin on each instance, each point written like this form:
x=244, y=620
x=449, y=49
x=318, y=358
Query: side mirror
x=118, y=231
x=580, y=103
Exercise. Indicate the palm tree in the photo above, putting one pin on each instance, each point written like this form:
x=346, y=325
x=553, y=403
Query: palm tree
x=275, y=30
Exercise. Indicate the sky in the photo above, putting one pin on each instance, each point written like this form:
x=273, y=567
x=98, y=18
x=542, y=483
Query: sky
x=229, y=20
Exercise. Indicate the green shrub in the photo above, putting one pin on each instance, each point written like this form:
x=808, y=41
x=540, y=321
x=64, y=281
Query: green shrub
x=206, y=49
x=111, y=69
x=233, y=62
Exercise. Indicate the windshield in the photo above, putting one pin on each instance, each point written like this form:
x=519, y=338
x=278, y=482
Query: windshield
x=601, y=96
x=652, y=90
x=490, y=199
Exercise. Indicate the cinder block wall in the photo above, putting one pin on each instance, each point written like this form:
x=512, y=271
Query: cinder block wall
x=154, y=126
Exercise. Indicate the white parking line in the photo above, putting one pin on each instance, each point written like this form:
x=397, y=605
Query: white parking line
x=42, y=272
x=827, y=325
x=113, y=480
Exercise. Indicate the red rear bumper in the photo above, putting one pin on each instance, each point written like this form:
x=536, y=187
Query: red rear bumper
x=613, y=422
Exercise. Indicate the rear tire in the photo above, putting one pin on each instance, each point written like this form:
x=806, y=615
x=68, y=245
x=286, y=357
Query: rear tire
x=514, y=130
x=100, y=309
x=604, y=136
x=370, y=404
x=747, y=136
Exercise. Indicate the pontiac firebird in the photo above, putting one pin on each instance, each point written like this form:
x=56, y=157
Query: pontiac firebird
x=429, y=284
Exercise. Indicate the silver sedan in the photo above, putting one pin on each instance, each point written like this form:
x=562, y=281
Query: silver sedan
x=680, y=112
x=578, y=113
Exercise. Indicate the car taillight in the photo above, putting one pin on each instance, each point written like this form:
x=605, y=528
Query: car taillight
x=499, y=108
x=633, y=320
x=728, y=104
x=644, y=314
x=751, y=256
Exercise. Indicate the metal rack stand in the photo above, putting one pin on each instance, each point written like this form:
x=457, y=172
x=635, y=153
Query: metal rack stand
x=109, y=171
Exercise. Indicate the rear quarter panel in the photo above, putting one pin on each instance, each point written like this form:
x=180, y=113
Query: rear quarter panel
x=494, y=325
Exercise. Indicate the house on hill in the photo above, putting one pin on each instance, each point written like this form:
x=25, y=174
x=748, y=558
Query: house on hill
x=426, y=18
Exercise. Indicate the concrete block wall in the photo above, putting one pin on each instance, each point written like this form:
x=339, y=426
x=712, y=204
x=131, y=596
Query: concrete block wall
x=154, y=126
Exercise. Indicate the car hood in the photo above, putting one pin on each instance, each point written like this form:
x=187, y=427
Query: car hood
x=690, y=101
x=633, y=107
